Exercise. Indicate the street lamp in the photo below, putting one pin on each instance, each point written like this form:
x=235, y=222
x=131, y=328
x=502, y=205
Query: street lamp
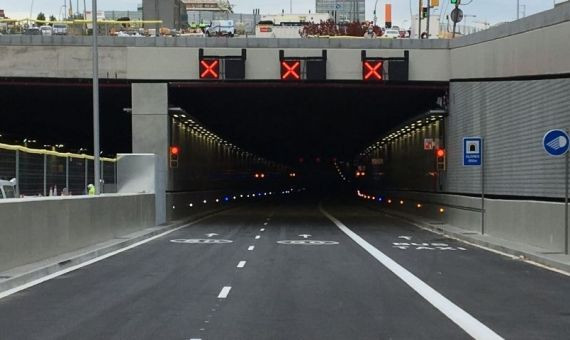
x=96, y=142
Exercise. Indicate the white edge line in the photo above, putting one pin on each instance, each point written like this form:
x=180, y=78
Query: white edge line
x=224, y=292
x=241, y=264
x=251, y=248
x=468, y=323
x=97, y=259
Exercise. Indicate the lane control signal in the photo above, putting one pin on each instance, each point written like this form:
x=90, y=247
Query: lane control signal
x=210, y=69
x=372, y=70
x=291, y=69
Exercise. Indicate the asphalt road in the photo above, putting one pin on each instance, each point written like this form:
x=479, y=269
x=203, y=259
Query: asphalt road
x=391, y=284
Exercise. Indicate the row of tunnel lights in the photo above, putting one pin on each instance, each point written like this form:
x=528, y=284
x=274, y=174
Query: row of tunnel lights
x=380, y=199
x=406, y=130
x=187, y=123
x=227, y=199
x=340, y=173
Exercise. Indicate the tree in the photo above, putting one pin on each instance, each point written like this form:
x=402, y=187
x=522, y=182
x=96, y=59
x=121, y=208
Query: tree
x=52, y=19
x=41, y=17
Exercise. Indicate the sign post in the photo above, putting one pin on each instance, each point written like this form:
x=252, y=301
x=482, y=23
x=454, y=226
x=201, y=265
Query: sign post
x=556, y=143
x=473, y=156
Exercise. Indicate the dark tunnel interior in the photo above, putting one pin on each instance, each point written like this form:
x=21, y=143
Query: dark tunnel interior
x=304, y=126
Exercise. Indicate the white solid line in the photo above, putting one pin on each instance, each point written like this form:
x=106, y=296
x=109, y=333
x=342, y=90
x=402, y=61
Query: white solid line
x=251, y=248
x=468, y=323
x=257, y=237
x=224, y=293
x=97, y=259
x=262, y=229
x=241, y=264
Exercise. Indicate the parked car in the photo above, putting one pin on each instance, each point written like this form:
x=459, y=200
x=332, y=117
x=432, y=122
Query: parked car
x=221, y=28
x=46, y=31
x=33, y=31
x=7, y=189
x=59, y=29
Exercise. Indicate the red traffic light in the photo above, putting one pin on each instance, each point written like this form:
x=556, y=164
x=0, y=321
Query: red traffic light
x=174, y=150
x=440, y=153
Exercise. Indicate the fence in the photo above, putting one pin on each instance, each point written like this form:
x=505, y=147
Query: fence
x=50, y=173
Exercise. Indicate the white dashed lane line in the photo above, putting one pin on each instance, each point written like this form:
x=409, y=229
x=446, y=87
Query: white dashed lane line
x=262, y=229
x=241, y=264
x=251, y=248
x=224, y=292
x=257, y=237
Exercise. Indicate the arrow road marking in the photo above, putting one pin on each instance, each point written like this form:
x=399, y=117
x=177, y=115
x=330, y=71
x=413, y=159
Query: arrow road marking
x=305, y=235
x=405, y=237
x=212, y=235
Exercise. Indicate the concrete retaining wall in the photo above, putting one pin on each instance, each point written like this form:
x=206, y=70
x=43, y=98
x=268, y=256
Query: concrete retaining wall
x=35, y=229
x=534, y=223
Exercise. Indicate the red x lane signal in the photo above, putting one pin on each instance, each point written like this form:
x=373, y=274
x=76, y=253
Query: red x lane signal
x=372, y=70
x=291, y=70
x=210, y=69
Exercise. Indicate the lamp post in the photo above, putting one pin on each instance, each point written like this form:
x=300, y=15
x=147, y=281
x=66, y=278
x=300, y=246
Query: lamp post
x=96, y=143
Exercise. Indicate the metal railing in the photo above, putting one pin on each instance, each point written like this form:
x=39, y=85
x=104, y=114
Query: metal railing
x=50, y=173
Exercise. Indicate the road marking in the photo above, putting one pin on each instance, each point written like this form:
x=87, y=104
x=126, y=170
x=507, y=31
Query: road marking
x=305, y=236
x=211, y=234
x=308, y=242
x=251, y=248
x=201, y=241
x=265, y=223
x=241, y=264
x=468, y=323
x=262, y=229
x=225, y=292
x=257, y=237
x=95, y=260
x=405, y=237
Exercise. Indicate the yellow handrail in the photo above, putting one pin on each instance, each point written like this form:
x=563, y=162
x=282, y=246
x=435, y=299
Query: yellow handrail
x=51, y=153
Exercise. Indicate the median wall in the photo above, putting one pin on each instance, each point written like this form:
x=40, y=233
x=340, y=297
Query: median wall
x=34, y=229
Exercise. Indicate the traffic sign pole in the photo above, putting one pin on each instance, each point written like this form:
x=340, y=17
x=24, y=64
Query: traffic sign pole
x=482, y=187
x=566, y=207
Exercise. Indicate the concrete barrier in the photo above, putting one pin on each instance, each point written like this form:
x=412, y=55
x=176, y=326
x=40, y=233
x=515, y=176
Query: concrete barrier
x=534, y=223
x=34, y=229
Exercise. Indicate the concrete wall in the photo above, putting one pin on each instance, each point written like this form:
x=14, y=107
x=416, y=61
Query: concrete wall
x=536, y=45
x=534, y=223
x=37, y=229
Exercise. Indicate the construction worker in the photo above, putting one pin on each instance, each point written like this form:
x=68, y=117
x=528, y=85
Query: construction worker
x=91, y=190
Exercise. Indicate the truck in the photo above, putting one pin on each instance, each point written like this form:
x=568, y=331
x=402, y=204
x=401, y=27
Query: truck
x=221, y=28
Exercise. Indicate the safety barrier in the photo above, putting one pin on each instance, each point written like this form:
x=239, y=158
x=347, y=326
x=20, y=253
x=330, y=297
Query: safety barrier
x=41, y=172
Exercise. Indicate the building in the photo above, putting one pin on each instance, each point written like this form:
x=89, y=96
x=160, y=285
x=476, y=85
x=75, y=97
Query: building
x=343, y=10
x=132, y=15
x=171, y=12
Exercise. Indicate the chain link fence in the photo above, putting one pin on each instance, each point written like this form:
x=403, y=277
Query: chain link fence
x=50, y=173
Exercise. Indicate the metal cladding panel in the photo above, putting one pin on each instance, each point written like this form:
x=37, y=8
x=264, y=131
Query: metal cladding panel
x=512, y=117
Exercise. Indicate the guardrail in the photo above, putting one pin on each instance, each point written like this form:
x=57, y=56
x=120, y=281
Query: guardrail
x=41, y=172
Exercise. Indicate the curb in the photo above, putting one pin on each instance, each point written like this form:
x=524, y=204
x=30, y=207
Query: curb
x=530, y=257
x=49, y=269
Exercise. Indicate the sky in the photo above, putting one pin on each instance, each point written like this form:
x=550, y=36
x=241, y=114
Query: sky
x=492, y=11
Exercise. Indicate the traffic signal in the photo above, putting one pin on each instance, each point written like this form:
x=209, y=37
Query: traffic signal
x=372, y=70
x=210, y=69
x=456, y=2
x=440, y=159
x=173, y=156
x=291, y=69
x=424, y=12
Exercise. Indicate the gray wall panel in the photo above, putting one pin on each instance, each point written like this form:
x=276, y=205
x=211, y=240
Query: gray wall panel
x=512, y=116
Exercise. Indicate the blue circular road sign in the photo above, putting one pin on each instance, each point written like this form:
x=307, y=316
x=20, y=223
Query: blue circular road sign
x=556, y=142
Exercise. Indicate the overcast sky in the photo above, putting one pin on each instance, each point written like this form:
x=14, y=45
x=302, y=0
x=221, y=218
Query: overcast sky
x=492, y=11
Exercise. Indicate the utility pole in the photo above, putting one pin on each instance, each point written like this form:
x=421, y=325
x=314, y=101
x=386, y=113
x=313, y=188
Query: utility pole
x=428, y=16
x=518, y=9
x=290, y=6
x=96, y=143
x=420, y=19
